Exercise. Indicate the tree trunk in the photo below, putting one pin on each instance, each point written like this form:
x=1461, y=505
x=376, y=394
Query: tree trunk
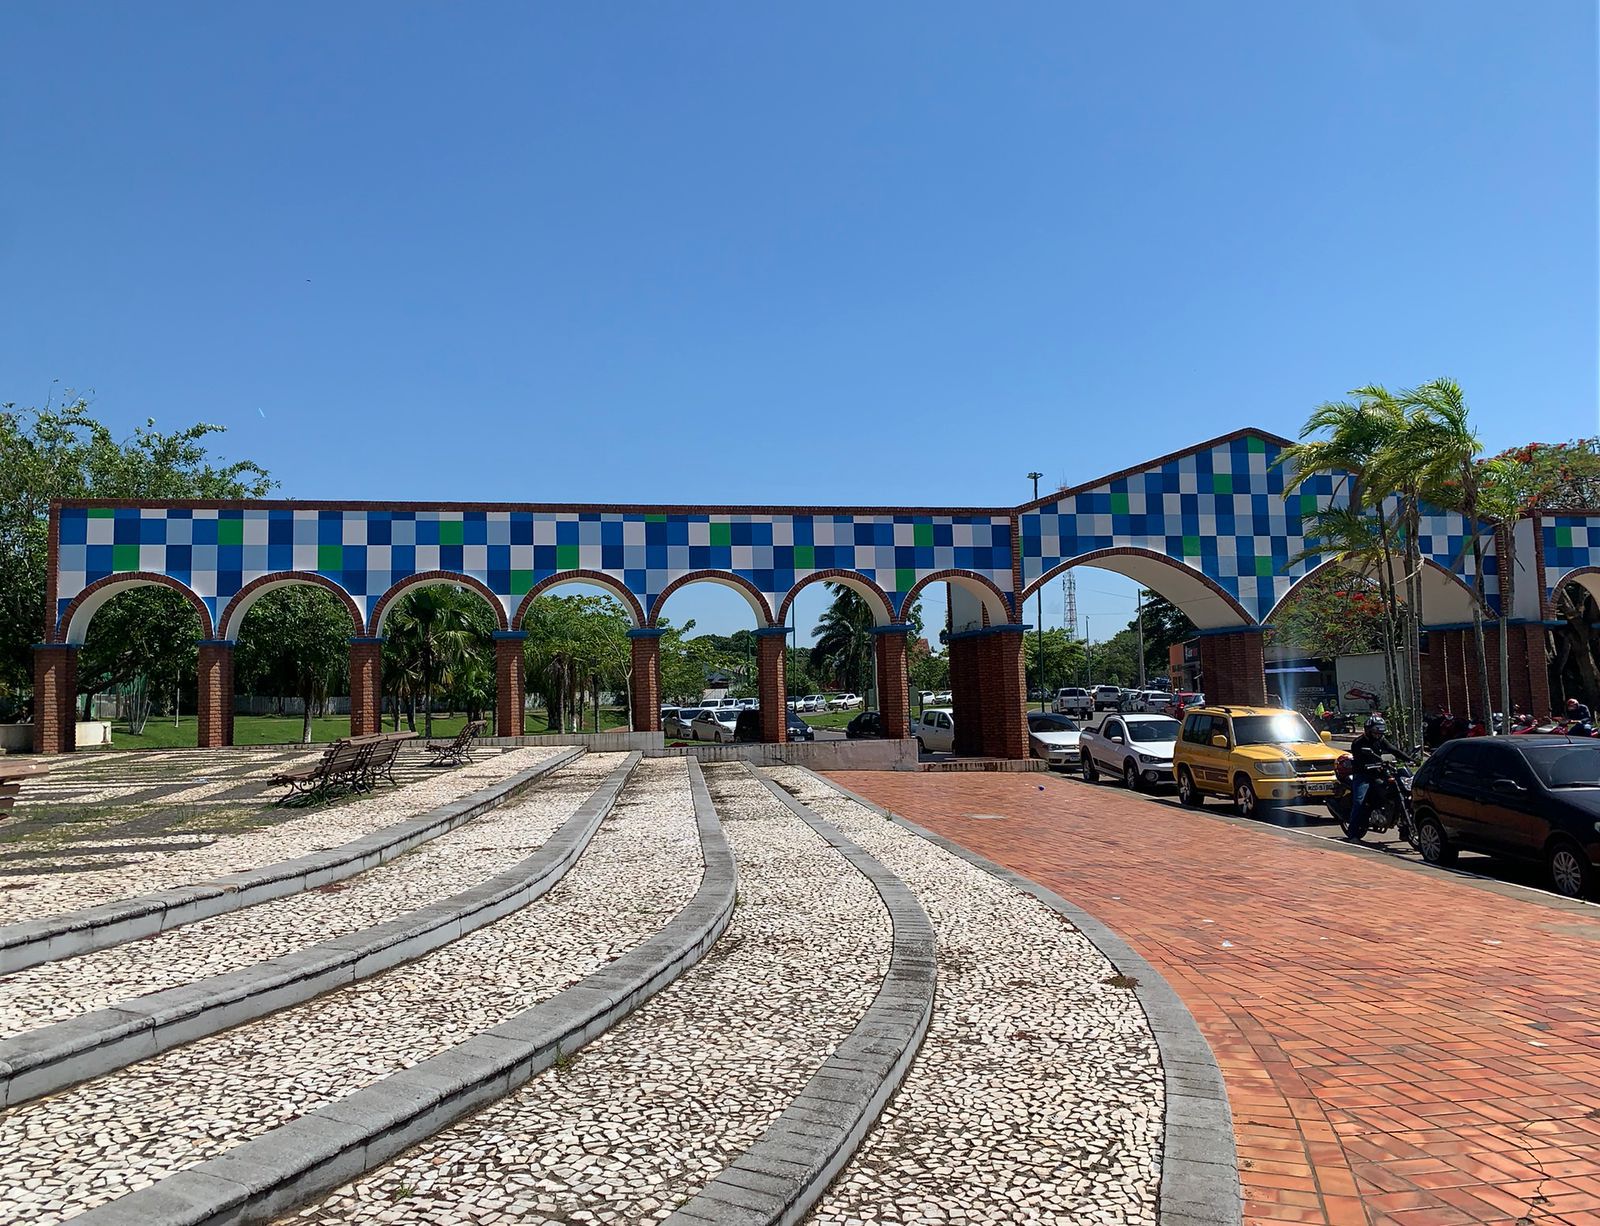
x=305, y=720
x=1506, y=552
x=1485, y=694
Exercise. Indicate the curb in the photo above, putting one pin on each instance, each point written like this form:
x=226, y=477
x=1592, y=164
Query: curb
x=33, y=942
x=319, y=1151
x=50, y=1058
x=784, y=1173
x=1199, y=1159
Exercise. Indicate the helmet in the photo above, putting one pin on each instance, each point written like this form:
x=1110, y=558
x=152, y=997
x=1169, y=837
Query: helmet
x=1375, y=724
x=1571, y=702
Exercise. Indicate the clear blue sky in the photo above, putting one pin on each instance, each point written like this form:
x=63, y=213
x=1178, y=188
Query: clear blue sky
x=826, y=253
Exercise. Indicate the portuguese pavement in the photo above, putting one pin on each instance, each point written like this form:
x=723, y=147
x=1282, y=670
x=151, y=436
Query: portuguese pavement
x=1401, y=1045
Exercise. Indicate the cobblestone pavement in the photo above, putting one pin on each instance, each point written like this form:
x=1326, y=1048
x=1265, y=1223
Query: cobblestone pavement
x=117, y=1133
x=1401, y=1046
x=59, y=876
x=470, y=854
x=1037, y=1095
x=647, y=1113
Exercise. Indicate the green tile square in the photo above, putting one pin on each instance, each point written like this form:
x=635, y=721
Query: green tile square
x=721, y=534
x=1191, y=546
x=124, y=557
x=566, y=557
x=1264, y=567
x=905, y=578
x=230, y=531
x=1564, y=538
x=1256, y=446
x=330, y=557
x=450, y=532
x=101, y=513
x=1222, y=483
x=1119, y=504
x=655, y=519
x=521, y=581
x=805, y=557
x=922, y=534
x=1308, y=505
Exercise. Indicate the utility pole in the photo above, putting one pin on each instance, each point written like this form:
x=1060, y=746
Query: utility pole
x=1039, y=629
x=1139, y=618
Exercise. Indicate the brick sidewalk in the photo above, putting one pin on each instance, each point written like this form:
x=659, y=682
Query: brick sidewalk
x=1399, y=1047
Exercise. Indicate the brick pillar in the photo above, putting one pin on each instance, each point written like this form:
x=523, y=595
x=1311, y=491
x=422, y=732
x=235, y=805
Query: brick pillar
x=510, y=686
x=366, y=686
x=1233, y=668
x=645, y=682
x=1528, y=668
x=214, y=673
x=894, y=694
x=771, y=684
x=1005, y=692
x=55, y=697
x=966, y=695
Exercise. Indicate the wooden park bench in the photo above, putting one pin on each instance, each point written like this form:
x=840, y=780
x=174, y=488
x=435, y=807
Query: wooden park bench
x=453, y=753
x=342, y=765
x=385, y=751
x=12, y=775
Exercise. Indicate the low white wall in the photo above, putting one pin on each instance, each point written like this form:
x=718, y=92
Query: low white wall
x=18, y=738
x=818, y=755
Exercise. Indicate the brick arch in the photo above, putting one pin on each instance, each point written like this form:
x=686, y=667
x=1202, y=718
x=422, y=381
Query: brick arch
x=599, y=579
x=433, y=578
x=1451, y=583
x=758, y=602
x=1002, y=599
x=854, y=580
x=87, y=602
x=233, y=616
x=1586, y=577
x=1167, y=564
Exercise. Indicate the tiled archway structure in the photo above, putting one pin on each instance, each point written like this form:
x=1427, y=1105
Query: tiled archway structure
x=1208, y=527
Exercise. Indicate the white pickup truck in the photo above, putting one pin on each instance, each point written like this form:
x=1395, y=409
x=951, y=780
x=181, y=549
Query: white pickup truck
x=1134, y=748
x=1074, y=701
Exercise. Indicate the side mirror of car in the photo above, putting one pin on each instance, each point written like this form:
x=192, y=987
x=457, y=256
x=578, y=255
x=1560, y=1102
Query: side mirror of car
x=1116, y=740
x=1327, y=738
x=1506, y=787
x=1219, y=741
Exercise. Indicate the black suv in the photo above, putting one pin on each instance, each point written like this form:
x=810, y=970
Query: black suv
x=749, y=727
x=1523, y=797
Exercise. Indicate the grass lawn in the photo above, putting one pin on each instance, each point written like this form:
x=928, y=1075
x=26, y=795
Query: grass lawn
x=828, y=719
x=285, y=730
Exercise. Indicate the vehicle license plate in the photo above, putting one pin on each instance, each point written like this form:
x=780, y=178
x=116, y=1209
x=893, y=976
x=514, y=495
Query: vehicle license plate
x=1319, y=789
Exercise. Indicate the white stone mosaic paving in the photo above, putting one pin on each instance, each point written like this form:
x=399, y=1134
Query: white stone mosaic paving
x=464, y=857
x=318, y=828
x=1037, y=1095
x=650, y=1111
x=120, y=1132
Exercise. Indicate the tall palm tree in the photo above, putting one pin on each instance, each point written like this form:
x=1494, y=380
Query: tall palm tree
x=842, y=647
x=431, y=630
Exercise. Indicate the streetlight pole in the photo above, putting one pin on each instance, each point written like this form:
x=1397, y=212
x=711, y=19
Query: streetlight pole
x=1039, y=608
x=1139, y=618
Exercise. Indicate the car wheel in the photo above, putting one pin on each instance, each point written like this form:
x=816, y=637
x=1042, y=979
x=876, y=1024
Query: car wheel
x=921, y=748
x=1432, y=841
x=1571, y=874
x=1245, y=803
x=1091, y=773
x=1188, y=795
x=1130, y=775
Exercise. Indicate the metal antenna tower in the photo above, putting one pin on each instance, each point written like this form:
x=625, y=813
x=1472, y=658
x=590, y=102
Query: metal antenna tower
x=1069, y=602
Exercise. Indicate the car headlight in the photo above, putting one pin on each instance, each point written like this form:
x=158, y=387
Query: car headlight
x=1151, y=759
x=1274, y=769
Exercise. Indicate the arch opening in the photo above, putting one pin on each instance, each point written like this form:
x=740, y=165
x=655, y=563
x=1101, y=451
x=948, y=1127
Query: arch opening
x=233, y=616
x=746, y=589
x=979, y=603
x=81, y=611
x=1200, y=598
x=386, y=603
x=586, y=583
x=1445, y=599
x=875, y=598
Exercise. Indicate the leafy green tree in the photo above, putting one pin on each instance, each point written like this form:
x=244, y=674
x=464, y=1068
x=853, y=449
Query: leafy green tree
x=576, y=645
x=64, y=452
x=146, y=636
x=1062, y=657
x=1334, y=613
x=294, y=641
x=842, y=648
x=429, y=638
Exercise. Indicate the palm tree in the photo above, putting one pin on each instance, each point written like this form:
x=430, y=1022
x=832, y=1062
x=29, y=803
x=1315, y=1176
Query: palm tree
x=430, y=631
x=842, y=646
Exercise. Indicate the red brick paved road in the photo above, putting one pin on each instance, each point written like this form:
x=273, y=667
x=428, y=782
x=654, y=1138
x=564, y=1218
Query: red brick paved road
x=1400, y=1047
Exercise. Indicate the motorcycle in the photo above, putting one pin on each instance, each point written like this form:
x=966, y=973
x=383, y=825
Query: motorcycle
x=1388, y=800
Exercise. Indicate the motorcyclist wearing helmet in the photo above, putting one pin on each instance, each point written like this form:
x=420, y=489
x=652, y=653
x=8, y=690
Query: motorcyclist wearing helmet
x=1367, y=750
x=1578, y=712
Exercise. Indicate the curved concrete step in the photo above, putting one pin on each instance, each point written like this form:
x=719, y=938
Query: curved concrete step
x=51, y=1058
x=781, y=1176
x=32, y=942
x=323, y=1148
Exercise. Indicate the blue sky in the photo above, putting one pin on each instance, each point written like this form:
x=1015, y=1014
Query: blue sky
x=869, y=254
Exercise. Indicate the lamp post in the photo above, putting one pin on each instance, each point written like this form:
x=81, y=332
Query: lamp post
x=1039, y=609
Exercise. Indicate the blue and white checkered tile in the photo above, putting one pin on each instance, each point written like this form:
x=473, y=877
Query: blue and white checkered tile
x=217, y=553
x=1219, y=511
x=1571, y=542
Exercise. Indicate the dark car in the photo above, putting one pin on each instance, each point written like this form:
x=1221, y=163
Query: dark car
x=1523, y=797
x=868, y=726
x=749, y=727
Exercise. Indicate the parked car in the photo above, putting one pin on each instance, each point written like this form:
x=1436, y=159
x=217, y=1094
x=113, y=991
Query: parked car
x=1135, y=748
x=715, y=725
x=666, y=714
x=1530, y=797
x=1256, y=755
x=943, y=697
x=1182, y=700
x=1107, y=698
x=935, y=730
x=844, y=702
x=1074, y=700
x=680, y=723
x=812, y=702
x=1155, y=702
x=1053, y=738
x=868, y=726
x=747, y=727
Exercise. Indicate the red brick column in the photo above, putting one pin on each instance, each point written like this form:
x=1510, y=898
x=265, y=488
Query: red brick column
x=214, y=674
x=645, y=682
x=771, y=685
x=1527, y=666
x=55, y=697
x=894, y=694
x=1005, y=692
x=366, y=686
x=510, y=685
x=1233, y=669
x=966, y=695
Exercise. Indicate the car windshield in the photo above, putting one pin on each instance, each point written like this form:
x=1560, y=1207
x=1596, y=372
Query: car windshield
x=1153, y=730
x=1565, y=766
x=1284, y=729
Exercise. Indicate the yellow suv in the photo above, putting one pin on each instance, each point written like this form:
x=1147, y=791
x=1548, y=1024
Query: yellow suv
x=1255, y=755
